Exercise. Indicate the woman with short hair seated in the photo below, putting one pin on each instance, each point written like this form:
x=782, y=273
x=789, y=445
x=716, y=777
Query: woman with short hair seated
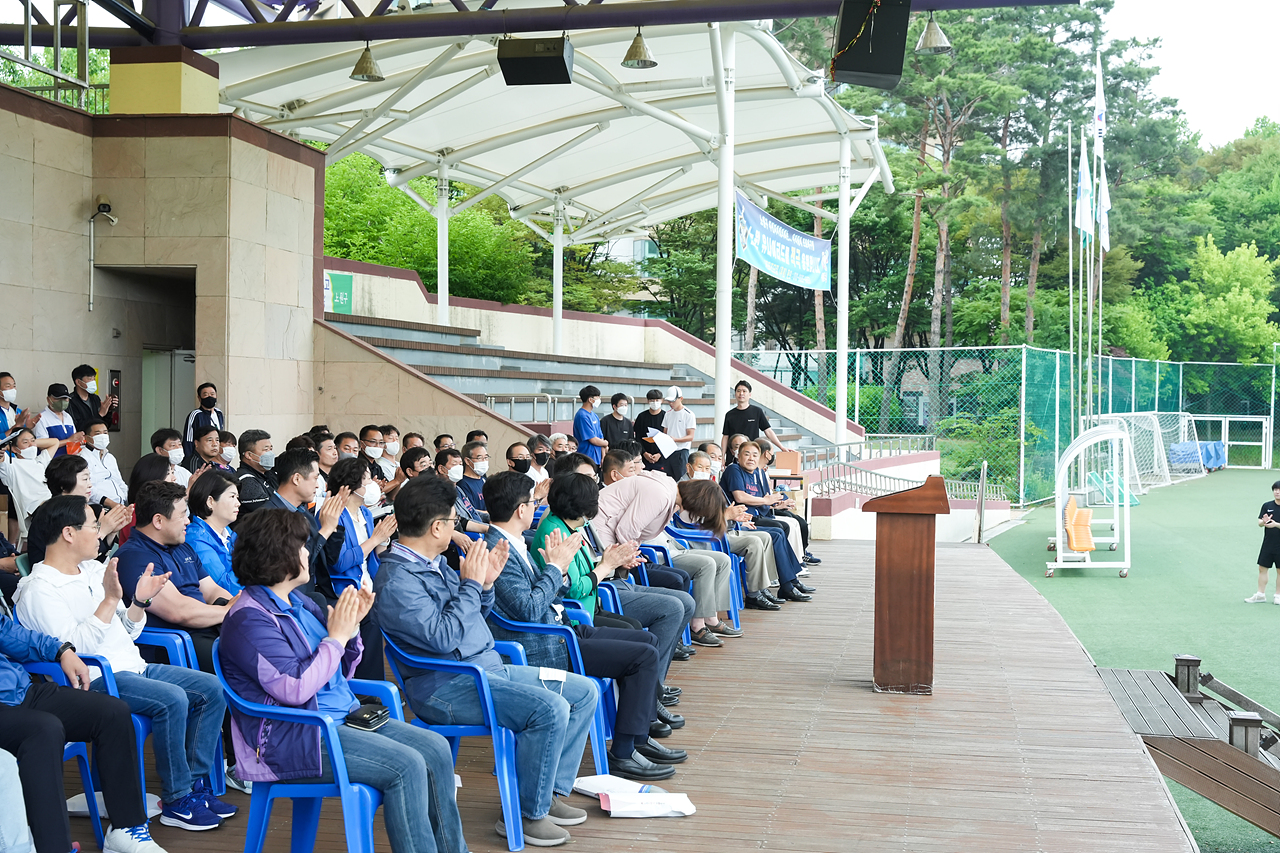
x=279, y=648
x=215, y=505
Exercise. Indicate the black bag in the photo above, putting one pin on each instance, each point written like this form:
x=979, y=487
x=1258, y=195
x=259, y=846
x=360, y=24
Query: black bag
x=368, y=718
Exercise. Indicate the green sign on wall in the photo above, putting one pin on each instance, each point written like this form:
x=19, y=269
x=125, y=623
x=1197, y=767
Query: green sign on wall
x=337, y=292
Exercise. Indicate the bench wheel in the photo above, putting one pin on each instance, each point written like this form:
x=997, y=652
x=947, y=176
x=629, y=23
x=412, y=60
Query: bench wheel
x=1053, y=546
x=1048, y=573
x=1124, y=573
x=1112, y=546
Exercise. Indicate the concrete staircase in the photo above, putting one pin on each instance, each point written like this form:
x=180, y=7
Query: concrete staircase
x=538, y=389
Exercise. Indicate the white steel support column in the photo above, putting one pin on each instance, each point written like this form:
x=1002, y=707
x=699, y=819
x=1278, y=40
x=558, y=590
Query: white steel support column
x=724, y=55
x=442, y=245
x=557, y=281
x=842, y=292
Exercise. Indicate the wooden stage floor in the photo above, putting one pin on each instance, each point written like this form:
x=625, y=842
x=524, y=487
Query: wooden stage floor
x=1019, y=749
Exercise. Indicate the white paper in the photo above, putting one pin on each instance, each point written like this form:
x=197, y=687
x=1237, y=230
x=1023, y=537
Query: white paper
x=594, y=786
x=665, y=444
x=647, y=805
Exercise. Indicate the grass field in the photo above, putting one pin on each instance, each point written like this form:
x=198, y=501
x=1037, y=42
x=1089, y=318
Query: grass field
x=1195, y=547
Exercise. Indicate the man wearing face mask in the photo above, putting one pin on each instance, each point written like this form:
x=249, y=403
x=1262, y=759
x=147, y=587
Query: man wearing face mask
x=540, y=455
x=651, y=418
x=616, y=426
x=56, y=422
x=207, y=414
x=520, y=460
x=109, y=488
x=85, y=405
x=22, y=470
x=586, y=426
x=10, y=414
x=255, y=480
x=228, y=450
x=471, y=520
x=348, y=445
x=168, y=442
x=716, y=455
x=372, y=447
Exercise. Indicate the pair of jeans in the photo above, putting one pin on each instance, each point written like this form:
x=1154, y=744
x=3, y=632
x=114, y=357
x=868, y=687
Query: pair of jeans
x=35, y=733
x=413, y=768
x=551, y=720
x=665, y=612
x=186, y=707
x=14, y=835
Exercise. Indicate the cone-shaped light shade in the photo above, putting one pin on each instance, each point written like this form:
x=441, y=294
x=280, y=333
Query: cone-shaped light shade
x=638, y=55
x=932, y=40
x=367, y=70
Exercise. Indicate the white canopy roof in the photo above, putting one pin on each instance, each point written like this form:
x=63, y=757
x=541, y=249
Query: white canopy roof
x=620, y=149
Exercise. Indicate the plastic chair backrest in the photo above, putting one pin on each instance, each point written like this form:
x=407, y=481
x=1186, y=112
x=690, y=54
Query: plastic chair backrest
x=24, y=564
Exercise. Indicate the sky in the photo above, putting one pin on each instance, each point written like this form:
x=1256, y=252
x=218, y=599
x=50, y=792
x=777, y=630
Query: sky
x=1216, y=58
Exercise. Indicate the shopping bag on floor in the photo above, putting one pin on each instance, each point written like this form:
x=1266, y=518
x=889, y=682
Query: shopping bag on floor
x=650, y=804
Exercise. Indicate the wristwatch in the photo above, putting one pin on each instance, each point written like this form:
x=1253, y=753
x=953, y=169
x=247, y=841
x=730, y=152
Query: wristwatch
x=143, y=604
x=62, y=649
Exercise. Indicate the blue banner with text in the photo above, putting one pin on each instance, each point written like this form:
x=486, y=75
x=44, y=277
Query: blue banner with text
x=779, y=250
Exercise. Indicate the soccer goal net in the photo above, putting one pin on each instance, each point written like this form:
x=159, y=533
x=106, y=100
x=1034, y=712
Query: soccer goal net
x=1182, y=446
x=1151, y=464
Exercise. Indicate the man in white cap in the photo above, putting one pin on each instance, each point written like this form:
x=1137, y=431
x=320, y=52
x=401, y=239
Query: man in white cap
x=681, y=425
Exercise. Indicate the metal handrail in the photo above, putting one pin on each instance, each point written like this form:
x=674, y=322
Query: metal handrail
x=844, y=475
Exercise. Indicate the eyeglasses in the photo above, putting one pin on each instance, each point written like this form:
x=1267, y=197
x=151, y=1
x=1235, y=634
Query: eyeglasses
x=373, y=443
x=452, y=519
x=95, y=524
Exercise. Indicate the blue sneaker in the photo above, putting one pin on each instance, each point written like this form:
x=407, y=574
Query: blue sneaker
x=212, y=803
x=190, y=813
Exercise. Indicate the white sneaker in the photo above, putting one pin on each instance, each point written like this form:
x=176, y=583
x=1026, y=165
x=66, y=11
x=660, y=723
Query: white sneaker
x=133, y=839
x=234, y=780
x=803, y=573
x=1259, y=597
x=1277, y=599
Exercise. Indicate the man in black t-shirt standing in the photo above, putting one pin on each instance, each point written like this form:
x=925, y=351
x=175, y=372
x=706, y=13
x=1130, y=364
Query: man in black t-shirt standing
x=746, y=419
x=1269, y=521
x=651, y=417
x=616, y=426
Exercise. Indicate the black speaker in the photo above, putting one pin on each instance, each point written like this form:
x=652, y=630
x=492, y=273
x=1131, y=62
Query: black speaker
x=876, y=56
x=536, y=62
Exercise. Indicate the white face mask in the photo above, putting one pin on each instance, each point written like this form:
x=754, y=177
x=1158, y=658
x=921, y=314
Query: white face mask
x=715, y=469
x=393, y=447
x=28, y=452
x=622, y=411
x=373, y=452
x=482, y=468
x=10, y=395
x=372, y=494
x=702, y=475
x=91, y=387
x=455, y=473
x=266, y=460
x=101, y=441
x=176, y=456
x=228, y=454
x=655, y=405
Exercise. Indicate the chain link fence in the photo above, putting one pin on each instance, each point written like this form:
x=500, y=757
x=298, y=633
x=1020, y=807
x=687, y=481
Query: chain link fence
x=1012, y=406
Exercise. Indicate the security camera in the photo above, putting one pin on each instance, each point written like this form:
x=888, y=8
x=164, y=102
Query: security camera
x=104, y=204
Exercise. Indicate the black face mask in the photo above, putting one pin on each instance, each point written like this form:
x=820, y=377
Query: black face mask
x=208, y=402
x=521, y=465
x=560, y=453
x=542, y=458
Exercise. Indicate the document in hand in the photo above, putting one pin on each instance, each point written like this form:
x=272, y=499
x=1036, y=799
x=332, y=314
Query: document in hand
x=665, y=444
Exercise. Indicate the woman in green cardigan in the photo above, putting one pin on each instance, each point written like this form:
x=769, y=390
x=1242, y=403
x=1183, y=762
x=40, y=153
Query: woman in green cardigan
x=573, y=501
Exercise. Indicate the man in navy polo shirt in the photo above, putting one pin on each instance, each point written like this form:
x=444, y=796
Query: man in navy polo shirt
x=192, y=600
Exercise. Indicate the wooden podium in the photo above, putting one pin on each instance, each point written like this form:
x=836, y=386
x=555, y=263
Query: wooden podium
x=905, y=527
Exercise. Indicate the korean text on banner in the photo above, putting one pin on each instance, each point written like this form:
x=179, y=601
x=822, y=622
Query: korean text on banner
x=781, y=251
x=337, y=292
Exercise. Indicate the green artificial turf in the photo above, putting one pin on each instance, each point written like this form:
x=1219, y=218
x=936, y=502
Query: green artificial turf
x=1195, y=547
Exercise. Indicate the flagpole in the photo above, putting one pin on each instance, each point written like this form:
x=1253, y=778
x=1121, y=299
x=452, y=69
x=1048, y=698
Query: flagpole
x=1074, y=374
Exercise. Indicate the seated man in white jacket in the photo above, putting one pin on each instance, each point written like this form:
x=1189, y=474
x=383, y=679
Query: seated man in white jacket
x=73, y=597
x=22, y=472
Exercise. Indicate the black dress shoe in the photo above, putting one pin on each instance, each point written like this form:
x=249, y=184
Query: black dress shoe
x=678, y=654
x=689, y=649
x=790, y=593
x=659, y=754
x=668, y=700
x=761, y=603
x=671, y=691
x=673, y=720
x=639, y=768
x=659, y=729
x=769, y=596
x=802, y=587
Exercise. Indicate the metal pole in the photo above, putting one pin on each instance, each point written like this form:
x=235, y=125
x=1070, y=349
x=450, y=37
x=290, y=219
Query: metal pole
x=842, y=293
x=857, y=387
x=442, y=244
x=1022, y=432
x=557, y=281
x=724, y=55
x=91, y=264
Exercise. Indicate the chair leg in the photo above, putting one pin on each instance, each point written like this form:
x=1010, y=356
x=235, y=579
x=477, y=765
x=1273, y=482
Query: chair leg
x=140, y=732
x=218, y=771
x=504, y=754
x=260, y=803
x=306, y=822
x=599, y=735
x=358, y=806
x=91, y=798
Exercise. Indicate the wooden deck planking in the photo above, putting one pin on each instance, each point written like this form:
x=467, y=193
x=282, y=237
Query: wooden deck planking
x=1019, y=748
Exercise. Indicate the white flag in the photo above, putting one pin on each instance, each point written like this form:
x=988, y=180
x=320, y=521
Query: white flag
x=1084, y=190
x=1104, y=205
x=1099, y=109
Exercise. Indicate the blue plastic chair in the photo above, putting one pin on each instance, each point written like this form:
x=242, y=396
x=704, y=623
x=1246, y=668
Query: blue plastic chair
x=737, y=597
x=180, y=651
x=606, y=705
x=77, y=749
x=504, y=740
x=359, y=802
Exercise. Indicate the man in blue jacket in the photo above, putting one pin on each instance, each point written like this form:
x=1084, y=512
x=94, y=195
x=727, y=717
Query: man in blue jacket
x=36, y=721
x=429, y=611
